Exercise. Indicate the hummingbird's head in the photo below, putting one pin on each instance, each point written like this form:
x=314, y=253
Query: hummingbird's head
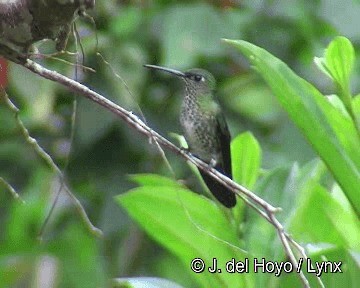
x=199, y=79
x=196, y=80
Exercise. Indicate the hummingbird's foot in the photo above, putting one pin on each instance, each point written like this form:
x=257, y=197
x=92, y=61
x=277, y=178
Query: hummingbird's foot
x=184, y=149
x=212, y=163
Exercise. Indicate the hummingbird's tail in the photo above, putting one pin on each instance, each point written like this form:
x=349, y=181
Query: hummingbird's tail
x=221, y=193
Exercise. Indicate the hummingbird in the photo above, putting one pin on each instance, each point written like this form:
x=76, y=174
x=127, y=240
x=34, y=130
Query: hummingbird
x=205, y=128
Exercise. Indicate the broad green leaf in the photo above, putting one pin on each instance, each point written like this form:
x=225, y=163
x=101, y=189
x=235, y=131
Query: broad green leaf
x=356, y=104
x=77, y=252
x=320, y=63
x=246, y=159
x=170, y=267
x=339, y=196
x=72, y=252
x=19, y=232
x=350, y=275
x=336, y=102
x=180, y=139
x=154, y=180
x=332, y=135
x=339, y=60
x=321, y=219
x=280, y=187
x=144, y=282
x=190, y=226
x=19, y=236
x=356, y=107
x=337, y=64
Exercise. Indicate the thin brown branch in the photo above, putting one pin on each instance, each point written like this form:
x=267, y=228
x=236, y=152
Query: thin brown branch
x=284, y=240
x=12, y=191
x=265, y=209
x=49, y=161
x=142, y=128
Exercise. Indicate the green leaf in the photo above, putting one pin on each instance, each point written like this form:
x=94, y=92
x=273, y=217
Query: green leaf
x=332, y=135
x=336, y=102
x=278, y=187
x=339, y=60
x=144, y=282
x=77, y=252
x=356, y=107
x=337, y=64
x=356, y=104
x=154, y=180
x=246, y=159
x=350, y=267
x=348, y=277
x=190, y=226
x=320, y=63
x=321, y=219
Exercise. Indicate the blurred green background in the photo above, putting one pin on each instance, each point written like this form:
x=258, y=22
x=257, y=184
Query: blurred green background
x=105, y=151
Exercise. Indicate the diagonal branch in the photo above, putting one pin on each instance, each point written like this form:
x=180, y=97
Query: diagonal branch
x=49, y=161
x=12, y=191
x=266, y=210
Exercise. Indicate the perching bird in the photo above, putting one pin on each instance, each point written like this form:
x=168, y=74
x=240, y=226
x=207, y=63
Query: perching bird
x=205, y=128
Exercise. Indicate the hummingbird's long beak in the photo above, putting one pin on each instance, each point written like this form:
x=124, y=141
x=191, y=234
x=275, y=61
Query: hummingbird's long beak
x=171, y=71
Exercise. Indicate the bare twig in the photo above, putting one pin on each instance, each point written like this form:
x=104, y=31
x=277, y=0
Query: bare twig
x=285, y=241
x=73, y=116
x=303, y=254
x=265, y=209
x=49, y=161
x=12, y=191
x=51, y=56
x=73, y=123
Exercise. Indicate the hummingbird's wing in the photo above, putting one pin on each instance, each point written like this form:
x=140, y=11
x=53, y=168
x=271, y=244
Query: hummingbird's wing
x=224, y=139
x=222, y=193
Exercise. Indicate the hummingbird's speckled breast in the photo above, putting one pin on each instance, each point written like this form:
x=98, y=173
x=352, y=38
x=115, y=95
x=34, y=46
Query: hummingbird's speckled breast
x=199, y=127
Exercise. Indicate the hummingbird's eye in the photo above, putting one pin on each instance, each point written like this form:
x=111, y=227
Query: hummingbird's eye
x=198, y=78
